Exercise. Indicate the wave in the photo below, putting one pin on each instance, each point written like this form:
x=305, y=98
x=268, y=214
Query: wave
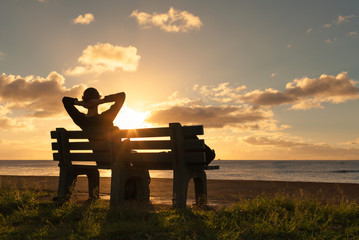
x=346, y=171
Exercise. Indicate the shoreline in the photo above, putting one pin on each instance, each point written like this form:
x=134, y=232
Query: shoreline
x=220, y=192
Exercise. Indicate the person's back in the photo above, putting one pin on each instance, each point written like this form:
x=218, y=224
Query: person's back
x=98, y=126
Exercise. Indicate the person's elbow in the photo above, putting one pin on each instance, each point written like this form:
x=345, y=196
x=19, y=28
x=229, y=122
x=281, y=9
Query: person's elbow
x=67, y=100
x=123, y=96
x=119, y=97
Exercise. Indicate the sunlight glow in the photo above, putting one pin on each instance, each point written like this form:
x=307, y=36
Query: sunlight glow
x=130, y=119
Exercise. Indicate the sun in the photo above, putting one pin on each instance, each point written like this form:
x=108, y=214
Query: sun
x=130, y=119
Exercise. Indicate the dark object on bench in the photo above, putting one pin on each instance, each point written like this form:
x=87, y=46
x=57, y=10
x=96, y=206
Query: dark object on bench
x=130, y=161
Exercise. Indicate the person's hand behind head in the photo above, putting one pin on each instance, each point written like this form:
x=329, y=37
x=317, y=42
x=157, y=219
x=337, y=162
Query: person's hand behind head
x=92, y=103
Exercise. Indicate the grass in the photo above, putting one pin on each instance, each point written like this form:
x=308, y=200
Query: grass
x=26, y=214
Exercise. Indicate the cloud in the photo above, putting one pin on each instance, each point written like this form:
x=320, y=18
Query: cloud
x=273, y=74
x=339, y=20
x=2, y=55
x=104, y=57
x=303, y=93
x=221, y=93
x=209, y=116
x=194, y=111
x=353, y=34
x=331, y=41
x=84, y=19
x=353, y=142
x=306, y=93
x=343, y=19
x=301, y=149
x=8, y=123
x=175, y=100
x=221, y=106
x=172, y=21
x=272, y=141
x=33, y=96
x=269, y=97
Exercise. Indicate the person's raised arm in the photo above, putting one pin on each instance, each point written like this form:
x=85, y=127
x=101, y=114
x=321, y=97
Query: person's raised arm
x=119, y=99
x=69, y=104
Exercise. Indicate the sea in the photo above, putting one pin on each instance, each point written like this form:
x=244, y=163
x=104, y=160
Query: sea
x=338, y=171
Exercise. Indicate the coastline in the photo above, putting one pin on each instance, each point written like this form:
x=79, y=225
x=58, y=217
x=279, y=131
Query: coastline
x=220, y=192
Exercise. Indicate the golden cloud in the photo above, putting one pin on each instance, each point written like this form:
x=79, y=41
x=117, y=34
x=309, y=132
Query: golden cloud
x=84, y=19
x=195, y=111
x=302, y=150
x=8, y=123
x=2, y=55
x=172, y=21
x=209, y=116
x=33, y=96
x=306, y=93
x=104, y=57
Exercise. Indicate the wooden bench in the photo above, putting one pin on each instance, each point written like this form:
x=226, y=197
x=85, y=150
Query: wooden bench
x=130, y=154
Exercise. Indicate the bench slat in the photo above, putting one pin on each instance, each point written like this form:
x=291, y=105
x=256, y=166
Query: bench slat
x=84, y=156
x=194, y=144
x=103, y=146
x=196, y=158
x=70, y=134
x=97, y=146
x=191, y=157
x=141, y=132
x=56, y=156
x=144, y=132
x=161, y=160
x=159, y=132
x=165, y=144
x=53, y=134
x=190, y=144
x=192, y=130
x=123, y=133
x=54, y=146
x=90, y=166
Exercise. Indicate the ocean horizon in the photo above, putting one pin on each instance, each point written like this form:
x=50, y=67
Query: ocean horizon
x=339, y=171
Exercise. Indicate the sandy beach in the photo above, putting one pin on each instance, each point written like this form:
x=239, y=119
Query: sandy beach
x=220, y=192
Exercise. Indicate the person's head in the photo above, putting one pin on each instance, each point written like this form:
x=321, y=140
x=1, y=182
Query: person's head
x=90, y=94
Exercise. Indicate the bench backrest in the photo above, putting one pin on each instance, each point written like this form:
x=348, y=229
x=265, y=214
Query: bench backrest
x=152, y=148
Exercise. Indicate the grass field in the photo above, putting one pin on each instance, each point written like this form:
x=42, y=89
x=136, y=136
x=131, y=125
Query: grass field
x=26, y=214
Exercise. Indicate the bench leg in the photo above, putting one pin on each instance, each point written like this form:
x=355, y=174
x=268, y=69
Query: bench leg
x=129, y=184
x=180, y=187
x=200, y=186
x=141, y=181
x=117, y=188
x=67, y=182
x=93, y=178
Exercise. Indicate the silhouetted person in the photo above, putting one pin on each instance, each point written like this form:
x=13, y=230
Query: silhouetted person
x=97, y=125
x=100, y=125
x=91, y=99
x=210, y=153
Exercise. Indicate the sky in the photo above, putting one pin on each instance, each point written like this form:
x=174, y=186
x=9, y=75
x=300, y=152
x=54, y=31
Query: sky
x=274, y=80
